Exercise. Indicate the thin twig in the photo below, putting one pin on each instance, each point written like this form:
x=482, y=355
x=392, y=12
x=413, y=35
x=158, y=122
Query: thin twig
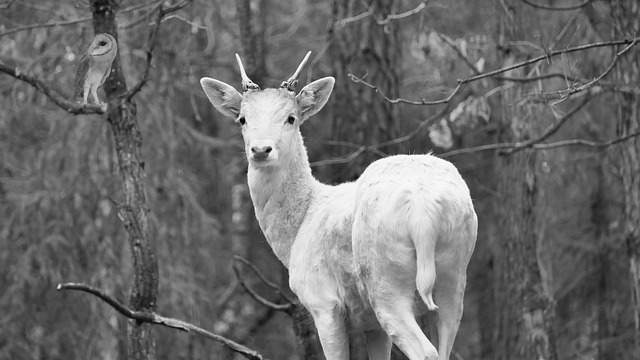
x=375, y=147
x=345, y=21
x=629, y=42
x=551, y=54
x=153, y=38
x=564, y=94
x=553, y=145
x=45, y=25
x=551, y=129
x=406, y=101
x=589, y=143
x=70, y=106
x=288, y=307
x=254, y=294
x=153, y=318
x=341, y=160
x=68, y=22
x=403, y=15
x=557, y=8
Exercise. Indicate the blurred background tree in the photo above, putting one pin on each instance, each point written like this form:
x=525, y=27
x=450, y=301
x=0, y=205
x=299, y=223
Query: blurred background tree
x=58, y=173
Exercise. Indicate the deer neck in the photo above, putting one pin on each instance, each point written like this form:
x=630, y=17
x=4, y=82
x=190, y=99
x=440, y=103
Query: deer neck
x=281, y=197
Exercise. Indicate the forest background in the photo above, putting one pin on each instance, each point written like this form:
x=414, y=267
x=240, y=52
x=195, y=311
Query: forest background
x=549, y=150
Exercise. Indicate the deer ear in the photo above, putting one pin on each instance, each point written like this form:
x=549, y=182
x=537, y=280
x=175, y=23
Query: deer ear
x=223, y=96
x=314, y=96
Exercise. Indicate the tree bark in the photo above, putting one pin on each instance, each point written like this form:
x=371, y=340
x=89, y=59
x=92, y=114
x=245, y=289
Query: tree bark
x=524, y=303
x=626, y=15
x=253, y=40
x=128, y=141
x=363, y=47
x=616, y=19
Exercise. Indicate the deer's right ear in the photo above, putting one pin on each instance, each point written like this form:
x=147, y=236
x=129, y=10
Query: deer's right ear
x=223, y=96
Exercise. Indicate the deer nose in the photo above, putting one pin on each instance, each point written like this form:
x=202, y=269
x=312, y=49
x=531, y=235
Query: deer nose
x=261, y=152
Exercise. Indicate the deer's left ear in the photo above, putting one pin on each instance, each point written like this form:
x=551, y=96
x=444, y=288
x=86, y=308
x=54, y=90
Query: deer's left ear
x=314, y=96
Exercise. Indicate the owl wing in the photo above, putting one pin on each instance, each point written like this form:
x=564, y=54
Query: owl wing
x=81, y=76
x=105, y=75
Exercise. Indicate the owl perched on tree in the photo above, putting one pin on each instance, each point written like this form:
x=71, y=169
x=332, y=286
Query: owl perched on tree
x=95, y=66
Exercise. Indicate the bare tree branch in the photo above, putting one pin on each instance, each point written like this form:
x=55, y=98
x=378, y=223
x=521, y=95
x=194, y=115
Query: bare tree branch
x=375, y=147
x=553, y=145
x=69, y=106
x=564, y=94
x=386, y=20
x=288, y=307
x=551, y=129
x=154, y=318
x=153, y=38
x=550, y=54
x=403, y=15
x=579, y=5
x=631, y=42
x=406, y=101
x=589, y=143
x=69, y=22
x=45, y=25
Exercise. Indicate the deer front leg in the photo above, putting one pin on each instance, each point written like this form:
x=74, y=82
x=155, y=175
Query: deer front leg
x=332, y=332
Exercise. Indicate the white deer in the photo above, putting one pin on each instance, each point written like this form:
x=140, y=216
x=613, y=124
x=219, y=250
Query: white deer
x=356, y=252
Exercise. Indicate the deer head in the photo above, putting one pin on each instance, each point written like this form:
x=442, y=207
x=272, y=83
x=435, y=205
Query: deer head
x=270, y=119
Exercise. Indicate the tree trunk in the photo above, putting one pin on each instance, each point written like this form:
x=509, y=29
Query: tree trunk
x=252, y=39
x=612, y=20
x=363, y=47
x=133, y=213
x=626, y=15
x=524, y=304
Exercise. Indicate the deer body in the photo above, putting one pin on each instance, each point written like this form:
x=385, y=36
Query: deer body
x=356, y=252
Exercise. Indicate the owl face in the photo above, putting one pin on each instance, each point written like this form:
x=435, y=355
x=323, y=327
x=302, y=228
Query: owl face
x=103, y=44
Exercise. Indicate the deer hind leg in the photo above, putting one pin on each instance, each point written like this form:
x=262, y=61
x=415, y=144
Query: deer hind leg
x=448, y=293
x=398, y=321
x=387, y=271
x=378, y=345
x=449, y=289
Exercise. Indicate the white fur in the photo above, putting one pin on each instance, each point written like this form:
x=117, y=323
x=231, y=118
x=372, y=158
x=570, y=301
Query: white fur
x=358, y=251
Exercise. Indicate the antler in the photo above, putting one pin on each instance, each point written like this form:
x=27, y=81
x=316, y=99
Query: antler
x=293, y=80
x=247, y=84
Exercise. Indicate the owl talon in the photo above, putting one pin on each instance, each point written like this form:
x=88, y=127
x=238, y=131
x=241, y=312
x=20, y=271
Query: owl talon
x=103, y=106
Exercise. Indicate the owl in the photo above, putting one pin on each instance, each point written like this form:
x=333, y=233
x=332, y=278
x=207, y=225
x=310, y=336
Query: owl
x=95, y=66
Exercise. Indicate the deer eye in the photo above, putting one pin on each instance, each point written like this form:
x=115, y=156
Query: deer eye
x=242, y=120
x=291, y=119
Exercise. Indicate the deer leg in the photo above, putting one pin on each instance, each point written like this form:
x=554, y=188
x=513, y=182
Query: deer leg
x=378, y=345
x=449, y=293
x=332, y=332
x=399, y=322
x=390, y=286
